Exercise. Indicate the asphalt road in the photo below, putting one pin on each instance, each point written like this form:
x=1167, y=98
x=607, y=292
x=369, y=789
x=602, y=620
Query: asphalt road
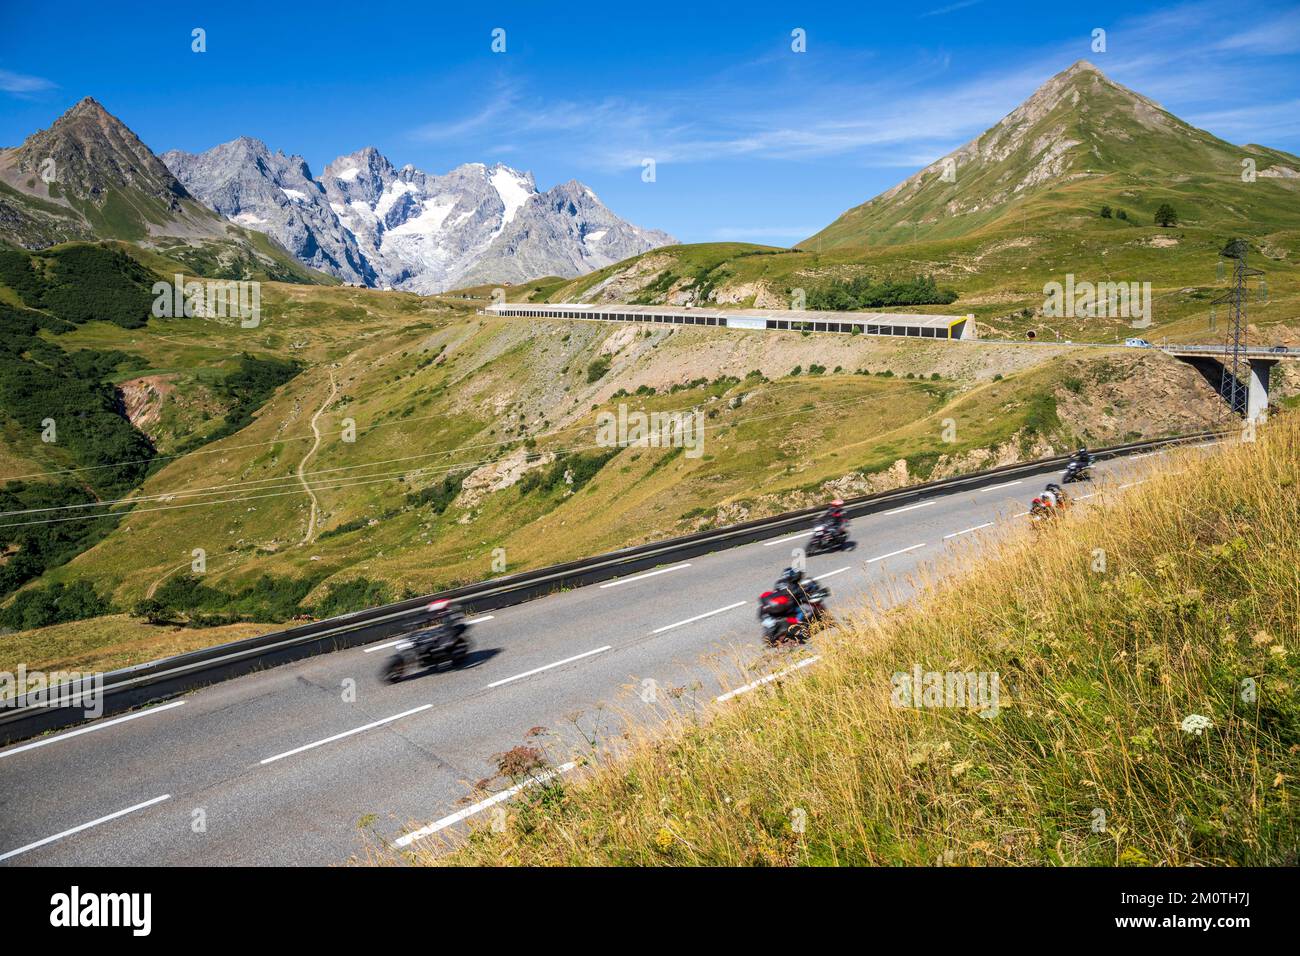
x=311, y=762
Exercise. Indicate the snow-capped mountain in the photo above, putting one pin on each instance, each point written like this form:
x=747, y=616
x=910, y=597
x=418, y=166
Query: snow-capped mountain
x=274, y=194
x=366, y=221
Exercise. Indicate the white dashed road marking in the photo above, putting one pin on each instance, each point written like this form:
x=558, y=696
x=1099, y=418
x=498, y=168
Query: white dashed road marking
x=547, y=667
x=347, y=733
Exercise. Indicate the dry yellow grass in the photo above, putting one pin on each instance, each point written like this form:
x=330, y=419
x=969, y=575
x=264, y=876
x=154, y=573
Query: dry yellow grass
x=1110, y=633
x=112, y=641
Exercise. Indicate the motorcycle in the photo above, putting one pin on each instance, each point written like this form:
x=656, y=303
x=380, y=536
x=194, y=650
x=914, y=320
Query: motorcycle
x=1077, y=470
x=828, y=538
x=785, y=620
x=428, y=649
x=1041, y=511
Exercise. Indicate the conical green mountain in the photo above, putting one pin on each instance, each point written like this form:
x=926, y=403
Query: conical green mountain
x=89, y=177
x=1079, y=135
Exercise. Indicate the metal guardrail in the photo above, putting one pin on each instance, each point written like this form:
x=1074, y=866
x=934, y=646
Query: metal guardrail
x=1254, y=351
x=142, y=684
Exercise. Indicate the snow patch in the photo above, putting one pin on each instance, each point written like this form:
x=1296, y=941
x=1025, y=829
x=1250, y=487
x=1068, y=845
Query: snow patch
x=428, y=221
x=513, y=190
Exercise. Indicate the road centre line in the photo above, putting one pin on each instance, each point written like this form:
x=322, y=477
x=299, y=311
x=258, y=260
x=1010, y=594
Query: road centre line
x=85, y=826
x=792, y=537
x=347, y=733
x=987, y=524
x=1005, y=484
x=698, y=617
x=547, y=667
x=642, y=577
x=923, y=504
x=893, y=553
x=98, y=725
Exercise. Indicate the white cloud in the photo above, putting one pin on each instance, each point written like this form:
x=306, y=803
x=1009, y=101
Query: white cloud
x=843, y=106
x=20, y=84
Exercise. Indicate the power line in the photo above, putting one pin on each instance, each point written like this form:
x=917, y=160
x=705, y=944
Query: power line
x=363, y=479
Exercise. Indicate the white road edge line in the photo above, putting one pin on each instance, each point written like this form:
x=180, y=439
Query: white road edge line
x=380, y=647
x=831, y=574
x=987, y=524
x=642, y=577
x=347, y=733
x=792, y=537
x=547, y=667
x=85, y=826
x=766, y=680
x=1020, y=514
x=923, y=504
x=1141, y=481
x=409, y=838
x=99, y=725
x=892, y=553
x=698, y=617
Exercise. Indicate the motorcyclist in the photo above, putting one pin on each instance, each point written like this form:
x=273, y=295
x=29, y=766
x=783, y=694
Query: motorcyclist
x=1082, y=458
x=1054, y=495
x=798, y=585
x=444, y=624
x=834, y=518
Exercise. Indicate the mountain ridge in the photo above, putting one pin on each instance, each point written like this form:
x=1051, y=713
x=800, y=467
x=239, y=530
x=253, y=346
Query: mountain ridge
x=88, y=176
x=370, y=222
x=1077, y=125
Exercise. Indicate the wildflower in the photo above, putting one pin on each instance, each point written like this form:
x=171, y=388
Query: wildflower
x=1195, y=723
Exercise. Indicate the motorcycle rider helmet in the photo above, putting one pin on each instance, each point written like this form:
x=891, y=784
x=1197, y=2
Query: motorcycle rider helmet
x=438, y=610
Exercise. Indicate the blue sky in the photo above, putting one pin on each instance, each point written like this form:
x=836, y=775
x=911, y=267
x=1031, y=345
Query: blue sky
x=751, y=140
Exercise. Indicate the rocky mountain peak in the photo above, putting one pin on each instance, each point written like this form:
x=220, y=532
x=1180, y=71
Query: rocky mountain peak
x=367, y=221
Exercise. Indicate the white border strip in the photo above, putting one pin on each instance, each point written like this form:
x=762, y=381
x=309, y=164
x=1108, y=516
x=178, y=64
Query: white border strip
x=766, y=680
x=409, y=838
